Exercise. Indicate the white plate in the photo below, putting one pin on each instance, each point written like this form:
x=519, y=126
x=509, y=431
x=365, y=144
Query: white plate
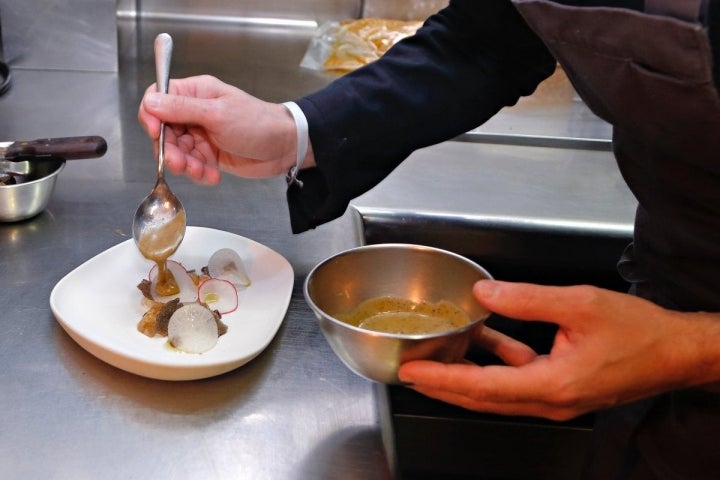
x=99, y=306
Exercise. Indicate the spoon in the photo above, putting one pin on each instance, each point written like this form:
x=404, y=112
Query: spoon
x=159, y=222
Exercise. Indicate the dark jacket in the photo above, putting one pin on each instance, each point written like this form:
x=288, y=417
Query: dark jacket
x=465, y=64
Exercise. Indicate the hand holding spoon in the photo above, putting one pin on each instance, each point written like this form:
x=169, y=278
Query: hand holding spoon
x=159, y=222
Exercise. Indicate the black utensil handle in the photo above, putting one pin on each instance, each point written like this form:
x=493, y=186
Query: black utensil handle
x=69, y=148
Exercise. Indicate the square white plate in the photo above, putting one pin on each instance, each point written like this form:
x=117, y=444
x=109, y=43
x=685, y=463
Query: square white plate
x=99, y=306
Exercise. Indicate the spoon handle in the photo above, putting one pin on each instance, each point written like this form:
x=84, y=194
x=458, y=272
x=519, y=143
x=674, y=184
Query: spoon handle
x=163, y=55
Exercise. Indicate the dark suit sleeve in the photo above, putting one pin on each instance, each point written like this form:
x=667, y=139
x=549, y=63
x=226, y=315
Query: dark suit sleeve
x=463, y=65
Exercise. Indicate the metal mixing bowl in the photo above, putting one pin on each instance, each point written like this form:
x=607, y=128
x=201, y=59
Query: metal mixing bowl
x=417, y=273
x=31, y=194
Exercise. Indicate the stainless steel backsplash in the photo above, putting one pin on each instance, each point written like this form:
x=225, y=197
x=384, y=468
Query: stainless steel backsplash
x=60, y=34
x=316, y=11
x=81, y=35
x=242, y=10
x=402, y=9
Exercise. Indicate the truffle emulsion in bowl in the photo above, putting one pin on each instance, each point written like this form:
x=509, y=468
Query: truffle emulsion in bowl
x=412, y=272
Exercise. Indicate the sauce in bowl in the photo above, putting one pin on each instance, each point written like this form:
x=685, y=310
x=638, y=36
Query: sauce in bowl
x=402, y=316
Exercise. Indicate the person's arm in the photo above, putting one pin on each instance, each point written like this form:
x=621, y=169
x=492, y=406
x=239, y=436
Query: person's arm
x=464, y=65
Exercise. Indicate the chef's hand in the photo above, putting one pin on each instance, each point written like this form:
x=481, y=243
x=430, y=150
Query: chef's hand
x=611, y=348
x=216, y=127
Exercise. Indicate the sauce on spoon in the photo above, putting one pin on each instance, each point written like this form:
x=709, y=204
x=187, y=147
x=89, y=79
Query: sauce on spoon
x=158, y=243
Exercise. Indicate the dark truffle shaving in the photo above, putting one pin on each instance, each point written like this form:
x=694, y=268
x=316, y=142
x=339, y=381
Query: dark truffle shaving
x=145, y=287
x=163, y=316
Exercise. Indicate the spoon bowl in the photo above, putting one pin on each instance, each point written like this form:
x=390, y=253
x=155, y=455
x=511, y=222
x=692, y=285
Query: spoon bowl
x=159, y=222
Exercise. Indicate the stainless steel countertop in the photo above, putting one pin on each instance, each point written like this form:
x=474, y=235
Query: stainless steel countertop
x=293, y=412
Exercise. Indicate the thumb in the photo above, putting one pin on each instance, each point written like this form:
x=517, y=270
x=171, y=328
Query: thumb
x=177, y=108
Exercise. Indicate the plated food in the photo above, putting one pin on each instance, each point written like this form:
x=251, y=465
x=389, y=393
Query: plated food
x=99, y=306
x=190, y=314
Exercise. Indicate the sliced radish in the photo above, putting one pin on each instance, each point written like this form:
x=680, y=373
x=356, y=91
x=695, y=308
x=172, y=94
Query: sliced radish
x=193, y=329
x=188, y=289
x=217, y=294
x=170, y=263
x=226, y=264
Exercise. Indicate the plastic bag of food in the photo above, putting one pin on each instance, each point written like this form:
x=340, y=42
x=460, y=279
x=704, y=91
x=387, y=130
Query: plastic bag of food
x=349, y=44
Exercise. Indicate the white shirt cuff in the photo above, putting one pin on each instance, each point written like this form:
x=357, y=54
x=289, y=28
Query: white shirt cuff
x=301, y=127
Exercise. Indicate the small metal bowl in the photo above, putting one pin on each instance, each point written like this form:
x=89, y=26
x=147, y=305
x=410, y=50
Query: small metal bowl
x=31, y=194
x=413, y=272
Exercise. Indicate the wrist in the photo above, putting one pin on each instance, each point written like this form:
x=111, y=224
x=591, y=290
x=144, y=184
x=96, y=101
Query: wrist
x=301, y=145
x=707, y=348
x=691, y=354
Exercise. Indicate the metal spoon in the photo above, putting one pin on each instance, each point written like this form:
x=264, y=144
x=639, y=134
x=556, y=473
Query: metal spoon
x=159, y=222
x=15, y=168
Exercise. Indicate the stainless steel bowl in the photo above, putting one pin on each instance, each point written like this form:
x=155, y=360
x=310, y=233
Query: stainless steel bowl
x=31, y=194
x=417, y=273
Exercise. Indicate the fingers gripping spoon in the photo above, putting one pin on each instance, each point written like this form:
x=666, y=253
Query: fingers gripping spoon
x=159, y=222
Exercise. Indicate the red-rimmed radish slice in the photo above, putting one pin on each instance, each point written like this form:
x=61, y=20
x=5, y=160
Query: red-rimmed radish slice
x=218, y=294
x=226, y=264
x=188, y=289
x=193, y=329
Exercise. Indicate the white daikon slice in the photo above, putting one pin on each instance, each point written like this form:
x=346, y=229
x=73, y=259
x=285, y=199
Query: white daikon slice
x=217, y=294
x=188, y=289
x=193, y=329
x=226, y=264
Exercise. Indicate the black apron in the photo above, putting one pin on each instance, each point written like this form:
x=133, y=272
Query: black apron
x=649, y=74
